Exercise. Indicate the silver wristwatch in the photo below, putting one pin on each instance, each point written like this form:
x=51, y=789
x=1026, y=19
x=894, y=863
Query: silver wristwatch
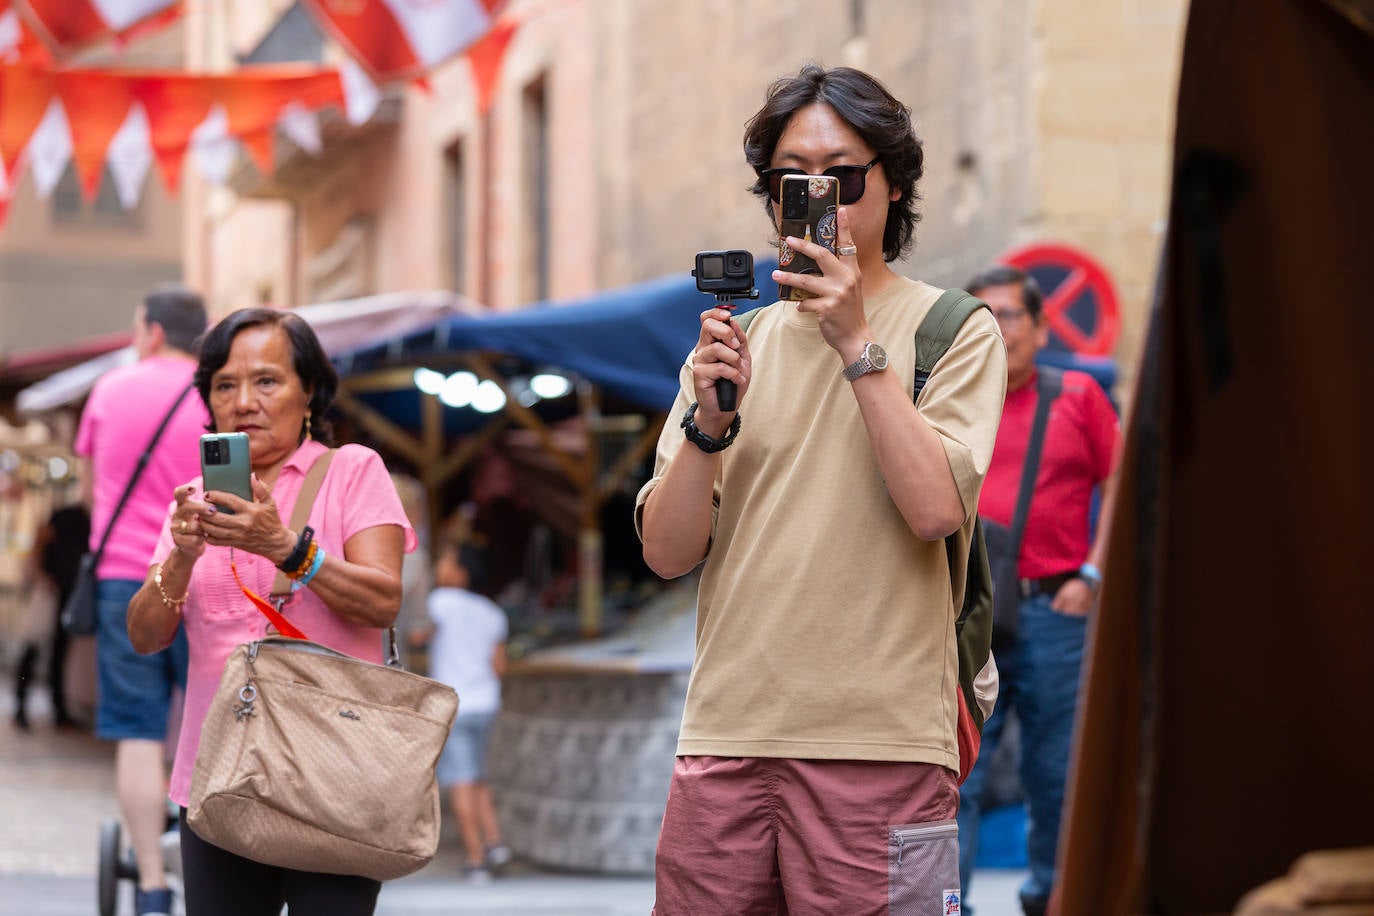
x=873, y=359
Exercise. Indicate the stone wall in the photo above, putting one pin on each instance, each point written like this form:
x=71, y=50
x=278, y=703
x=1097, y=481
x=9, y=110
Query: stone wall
x=579, y=766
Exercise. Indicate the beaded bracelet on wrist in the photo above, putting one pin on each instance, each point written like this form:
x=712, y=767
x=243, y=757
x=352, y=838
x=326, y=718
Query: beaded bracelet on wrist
x=702, y=441
x=297, y=561
x=300, y=571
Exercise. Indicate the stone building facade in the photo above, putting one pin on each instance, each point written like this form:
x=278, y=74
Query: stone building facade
x=612, y=151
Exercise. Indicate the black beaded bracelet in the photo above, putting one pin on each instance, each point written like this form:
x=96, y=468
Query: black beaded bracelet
x=700, y=439
x=298, y=554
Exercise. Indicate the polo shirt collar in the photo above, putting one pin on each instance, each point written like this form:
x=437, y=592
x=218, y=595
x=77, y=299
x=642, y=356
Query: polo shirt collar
x=304, y=456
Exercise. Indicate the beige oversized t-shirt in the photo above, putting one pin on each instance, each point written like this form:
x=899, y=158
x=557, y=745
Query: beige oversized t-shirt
x=825, y=627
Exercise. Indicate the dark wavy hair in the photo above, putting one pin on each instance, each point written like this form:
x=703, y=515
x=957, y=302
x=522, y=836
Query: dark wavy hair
x=307, y=358
x=865, y=105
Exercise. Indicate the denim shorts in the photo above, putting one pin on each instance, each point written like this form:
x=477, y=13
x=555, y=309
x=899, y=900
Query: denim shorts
x=465, y=752
x=135, y=690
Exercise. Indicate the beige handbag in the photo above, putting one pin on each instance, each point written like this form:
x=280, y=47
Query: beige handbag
x=313, y=760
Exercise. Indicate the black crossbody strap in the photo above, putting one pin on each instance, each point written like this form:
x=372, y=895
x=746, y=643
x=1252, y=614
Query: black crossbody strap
x=138, y=472
x=1047, y=387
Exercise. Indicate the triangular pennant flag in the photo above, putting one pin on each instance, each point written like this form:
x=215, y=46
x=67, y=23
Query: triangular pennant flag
x=402, y=39
x=485, y=59
x=302, y=127
x=97, y=105
x=50, y=148
x=361, y=95
x=212, y=149
x=130, y=156
x=24, y=96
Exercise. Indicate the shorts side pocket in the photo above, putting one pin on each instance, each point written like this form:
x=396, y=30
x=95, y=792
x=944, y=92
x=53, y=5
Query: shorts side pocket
x=923, y=869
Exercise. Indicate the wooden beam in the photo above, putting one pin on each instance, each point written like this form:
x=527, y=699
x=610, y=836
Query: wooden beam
x=629, y=458
x=577, y=472
x=469, y=448
x=375, y=423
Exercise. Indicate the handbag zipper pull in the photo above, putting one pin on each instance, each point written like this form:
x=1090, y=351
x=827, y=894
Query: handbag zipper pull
x=244, y=708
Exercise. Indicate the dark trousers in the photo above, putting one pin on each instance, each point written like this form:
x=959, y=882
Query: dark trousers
x=219, y=883
x=57, y=672
x=1039, y=678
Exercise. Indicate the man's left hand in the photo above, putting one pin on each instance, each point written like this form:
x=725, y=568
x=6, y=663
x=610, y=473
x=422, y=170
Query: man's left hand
x=1075, y=598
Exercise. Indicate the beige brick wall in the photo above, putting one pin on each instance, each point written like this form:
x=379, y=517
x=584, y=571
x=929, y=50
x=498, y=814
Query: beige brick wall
x=1104, y=127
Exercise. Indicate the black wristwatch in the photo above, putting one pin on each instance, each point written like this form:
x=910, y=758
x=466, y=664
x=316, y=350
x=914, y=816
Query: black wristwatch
x=700, y=439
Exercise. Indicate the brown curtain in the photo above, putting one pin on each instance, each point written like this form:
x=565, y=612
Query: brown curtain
x=1226, y=725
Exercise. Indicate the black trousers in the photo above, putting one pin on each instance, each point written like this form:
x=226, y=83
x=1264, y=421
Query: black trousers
x=219, y=883
x=57, y=672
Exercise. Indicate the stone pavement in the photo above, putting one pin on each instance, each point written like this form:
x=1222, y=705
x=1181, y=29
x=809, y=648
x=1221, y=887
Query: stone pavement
x=57, y=787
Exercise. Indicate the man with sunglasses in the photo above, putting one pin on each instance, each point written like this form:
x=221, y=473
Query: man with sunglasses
x=817, y=767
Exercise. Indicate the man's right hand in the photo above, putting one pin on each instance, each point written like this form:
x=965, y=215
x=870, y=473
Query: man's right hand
x=722, y=351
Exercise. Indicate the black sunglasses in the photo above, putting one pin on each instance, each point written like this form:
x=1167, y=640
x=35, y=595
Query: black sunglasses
x=851, y=180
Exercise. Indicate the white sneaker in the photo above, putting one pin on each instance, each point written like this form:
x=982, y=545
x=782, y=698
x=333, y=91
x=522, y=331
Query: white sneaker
x=477, y=875
x=498, y=856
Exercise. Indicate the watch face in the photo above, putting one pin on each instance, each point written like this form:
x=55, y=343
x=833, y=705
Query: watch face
x=877, y=356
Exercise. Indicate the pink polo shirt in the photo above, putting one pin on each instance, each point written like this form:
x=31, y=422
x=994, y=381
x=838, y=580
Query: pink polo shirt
x=357, y=493
x=121, y=415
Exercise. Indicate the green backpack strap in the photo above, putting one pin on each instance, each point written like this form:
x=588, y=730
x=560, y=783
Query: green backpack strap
x=744, y=318
x=938, y=329
x=973, y=626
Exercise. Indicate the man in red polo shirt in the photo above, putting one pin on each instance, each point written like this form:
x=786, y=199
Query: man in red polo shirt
x=1058, y=569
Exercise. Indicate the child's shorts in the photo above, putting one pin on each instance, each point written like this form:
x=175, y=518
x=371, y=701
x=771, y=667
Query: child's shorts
x=465, y=752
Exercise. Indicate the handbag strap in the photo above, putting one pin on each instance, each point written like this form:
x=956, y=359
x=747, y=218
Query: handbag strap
x=138, y=472
x=300, y=512
x=1047, y=387
x=281, y=586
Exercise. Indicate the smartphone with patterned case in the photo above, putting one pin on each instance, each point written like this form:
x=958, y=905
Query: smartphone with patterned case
x=807, y=210
x=225, y=465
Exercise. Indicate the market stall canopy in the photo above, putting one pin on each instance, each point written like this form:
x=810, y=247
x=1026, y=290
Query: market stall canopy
x=629, y=341
x=341, y=326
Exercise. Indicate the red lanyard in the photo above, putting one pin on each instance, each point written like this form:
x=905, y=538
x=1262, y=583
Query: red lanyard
x=284, y=626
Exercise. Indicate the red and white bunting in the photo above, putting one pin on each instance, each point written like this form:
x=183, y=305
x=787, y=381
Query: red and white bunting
x=130, y=156
x=126, y=120
x=70, y=25
x=403, y=39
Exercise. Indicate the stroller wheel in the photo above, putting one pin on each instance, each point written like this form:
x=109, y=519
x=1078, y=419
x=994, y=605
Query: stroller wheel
x=107, y=879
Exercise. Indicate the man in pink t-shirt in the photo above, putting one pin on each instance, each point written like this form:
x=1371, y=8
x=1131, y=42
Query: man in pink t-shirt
x=122, y=415
x=1057, y=569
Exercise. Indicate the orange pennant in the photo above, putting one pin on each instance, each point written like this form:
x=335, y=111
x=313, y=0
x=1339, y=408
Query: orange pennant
x=25, y=93
x=485, y=59
x=96, y=108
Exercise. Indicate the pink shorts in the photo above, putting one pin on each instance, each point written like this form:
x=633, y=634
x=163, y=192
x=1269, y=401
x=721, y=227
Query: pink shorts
x=763, y=835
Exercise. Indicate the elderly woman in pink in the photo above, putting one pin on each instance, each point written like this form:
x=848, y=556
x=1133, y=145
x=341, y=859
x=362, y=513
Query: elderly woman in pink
x=263, y=372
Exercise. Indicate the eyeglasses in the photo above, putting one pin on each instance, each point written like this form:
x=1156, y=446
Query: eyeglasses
x=1009, y=316
x=851, y=180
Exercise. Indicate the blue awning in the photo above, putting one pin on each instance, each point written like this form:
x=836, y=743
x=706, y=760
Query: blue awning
x=630, y=341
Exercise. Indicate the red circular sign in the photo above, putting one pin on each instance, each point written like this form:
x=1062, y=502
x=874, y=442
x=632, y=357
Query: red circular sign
x=1081, y=307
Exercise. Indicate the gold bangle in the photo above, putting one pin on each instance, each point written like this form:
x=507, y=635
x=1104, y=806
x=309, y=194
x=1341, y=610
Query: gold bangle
x=173, y=603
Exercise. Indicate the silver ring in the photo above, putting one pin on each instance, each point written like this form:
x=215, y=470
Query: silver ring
x=848, y=251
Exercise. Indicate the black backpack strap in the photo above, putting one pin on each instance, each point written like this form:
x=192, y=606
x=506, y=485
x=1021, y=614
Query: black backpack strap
x=1049, y=382
x=937, y=331
x=138, y=472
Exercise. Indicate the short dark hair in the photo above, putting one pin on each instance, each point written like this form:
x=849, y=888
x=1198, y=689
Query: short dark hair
x=865, y=105
x=308, y=359
x=1004, y=275
x=179, y=311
